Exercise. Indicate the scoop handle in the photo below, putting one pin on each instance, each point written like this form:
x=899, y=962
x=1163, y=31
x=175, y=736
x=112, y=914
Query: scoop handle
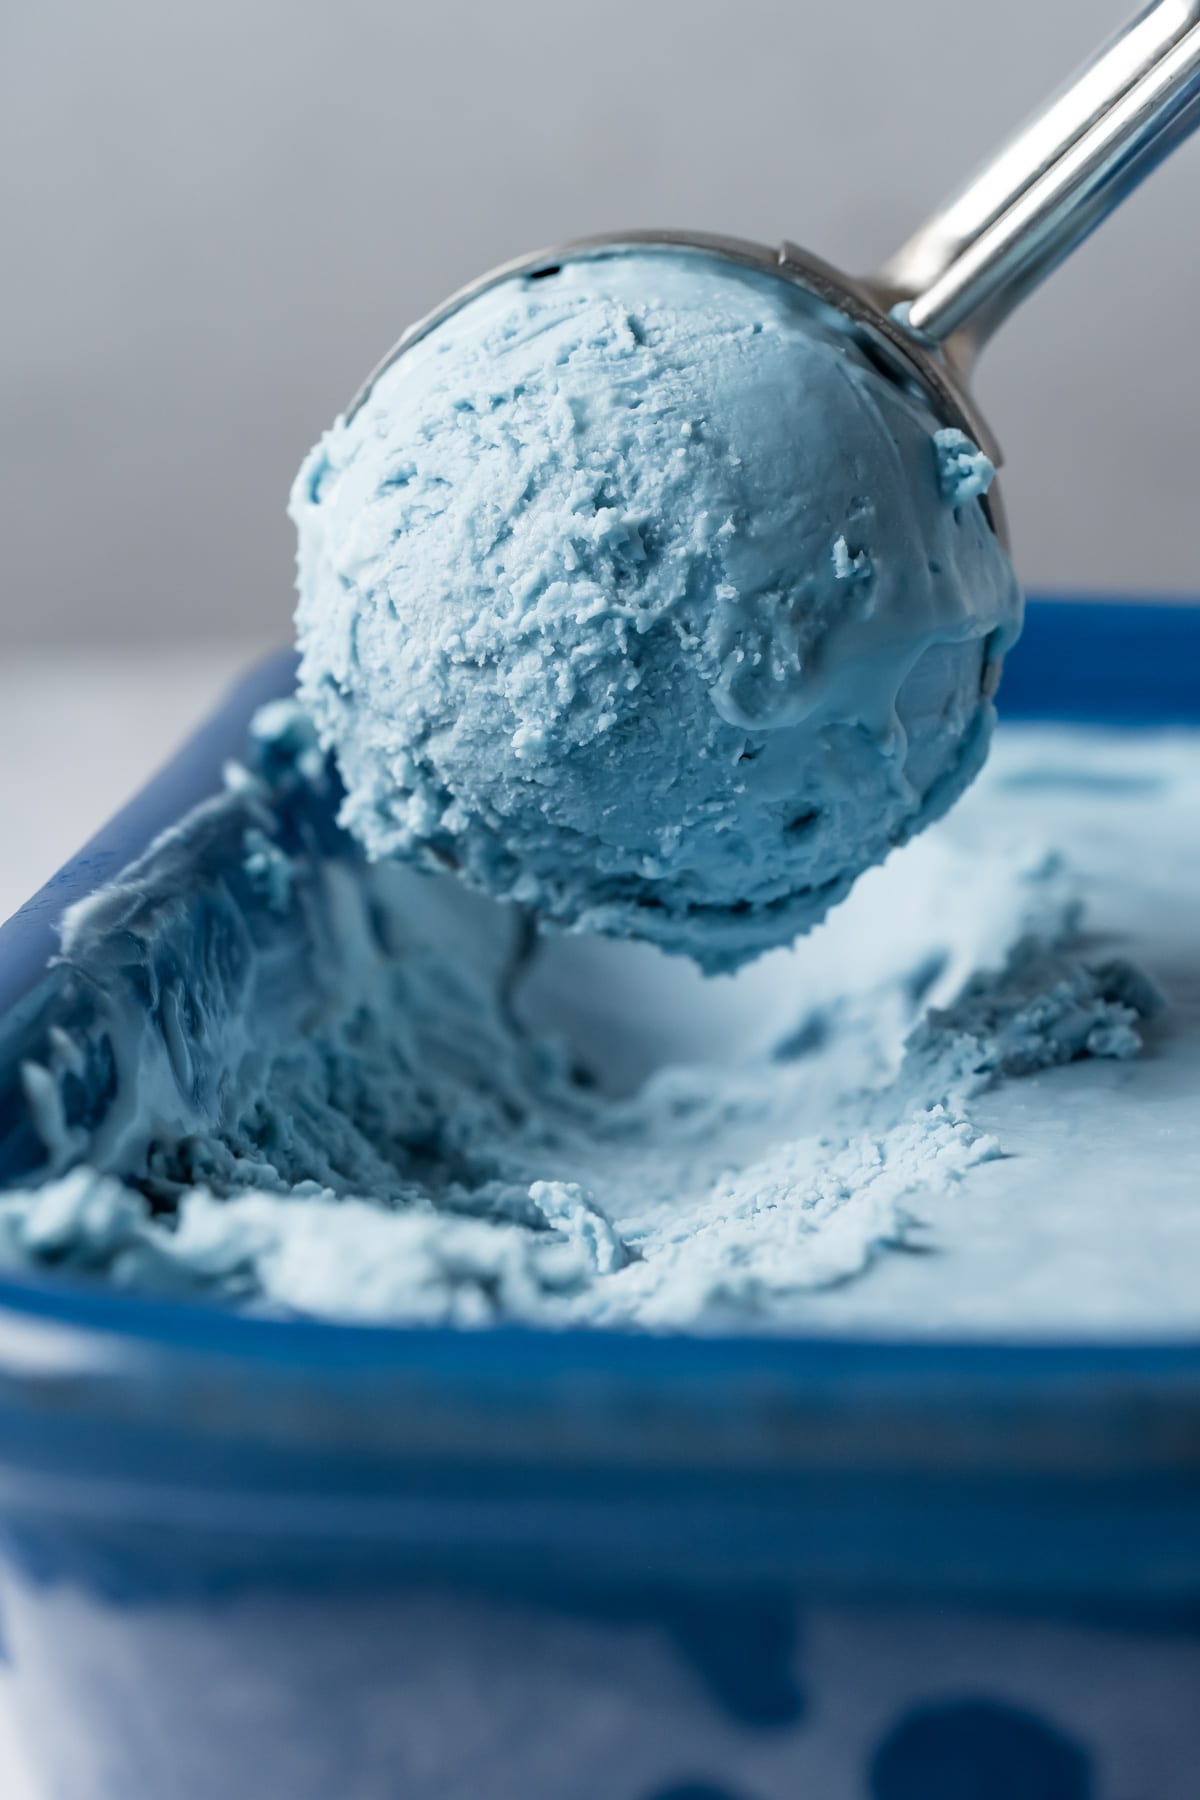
x=962, y=273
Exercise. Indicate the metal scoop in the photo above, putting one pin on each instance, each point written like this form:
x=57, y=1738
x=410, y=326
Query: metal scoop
x=928, y=312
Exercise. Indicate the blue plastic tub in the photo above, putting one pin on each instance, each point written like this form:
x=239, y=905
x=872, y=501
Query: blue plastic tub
x=242, y=1557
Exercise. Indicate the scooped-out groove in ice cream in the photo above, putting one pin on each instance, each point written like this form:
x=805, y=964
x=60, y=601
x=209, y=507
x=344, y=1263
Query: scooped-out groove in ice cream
x=270, y=1072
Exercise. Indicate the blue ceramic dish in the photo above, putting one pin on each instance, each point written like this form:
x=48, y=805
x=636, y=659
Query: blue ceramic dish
x=246, y=1557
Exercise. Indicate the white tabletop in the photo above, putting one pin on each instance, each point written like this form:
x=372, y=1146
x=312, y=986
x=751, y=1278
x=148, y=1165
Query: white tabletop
x=79, y=733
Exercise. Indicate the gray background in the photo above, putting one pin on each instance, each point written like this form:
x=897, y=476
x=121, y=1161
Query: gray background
x=216, y=217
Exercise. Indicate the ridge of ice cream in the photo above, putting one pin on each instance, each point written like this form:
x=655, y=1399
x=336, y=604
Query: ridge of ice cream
x=635, y=594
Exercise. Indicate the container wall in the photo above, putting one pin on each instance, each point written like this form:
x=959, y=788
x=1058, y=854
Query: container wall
x=422, y=1690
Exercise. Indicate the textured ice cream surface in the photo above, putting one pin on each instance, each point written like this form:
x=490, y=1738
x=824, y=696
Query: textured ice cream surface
x=634, y=593
x=271, y=1073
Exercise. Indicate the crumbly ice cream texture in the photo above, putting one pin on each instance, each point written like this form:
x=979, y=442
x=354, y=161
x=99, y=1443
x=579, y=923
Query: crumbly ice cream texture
x=634, y=594
x=269, y=1072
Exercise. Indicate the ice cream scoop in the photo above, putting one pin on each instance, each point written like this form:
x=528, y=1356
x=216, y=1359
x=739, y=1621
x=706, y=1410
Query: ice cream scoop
x=928, y=312
x=656, y=583
x=635, y=595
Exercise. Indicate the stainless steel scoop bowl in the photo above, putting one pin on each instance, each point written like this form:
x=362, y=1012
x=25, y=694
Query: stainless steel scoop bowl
x=928, y=312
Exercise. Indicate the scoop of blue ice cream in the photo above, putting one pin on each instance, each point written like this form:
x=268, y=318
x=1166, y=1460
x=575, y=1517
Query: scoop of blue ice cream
x=636, y=594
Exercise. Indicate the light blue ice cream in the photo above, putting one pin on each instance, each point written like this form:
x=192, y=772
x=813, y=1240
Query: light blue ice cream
x=268, y=1072
x=634, y=593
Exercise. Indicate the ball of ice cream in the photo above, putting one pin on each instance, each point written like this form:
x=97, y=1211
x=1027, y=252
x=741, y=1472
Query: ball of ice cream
x=636, y=594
